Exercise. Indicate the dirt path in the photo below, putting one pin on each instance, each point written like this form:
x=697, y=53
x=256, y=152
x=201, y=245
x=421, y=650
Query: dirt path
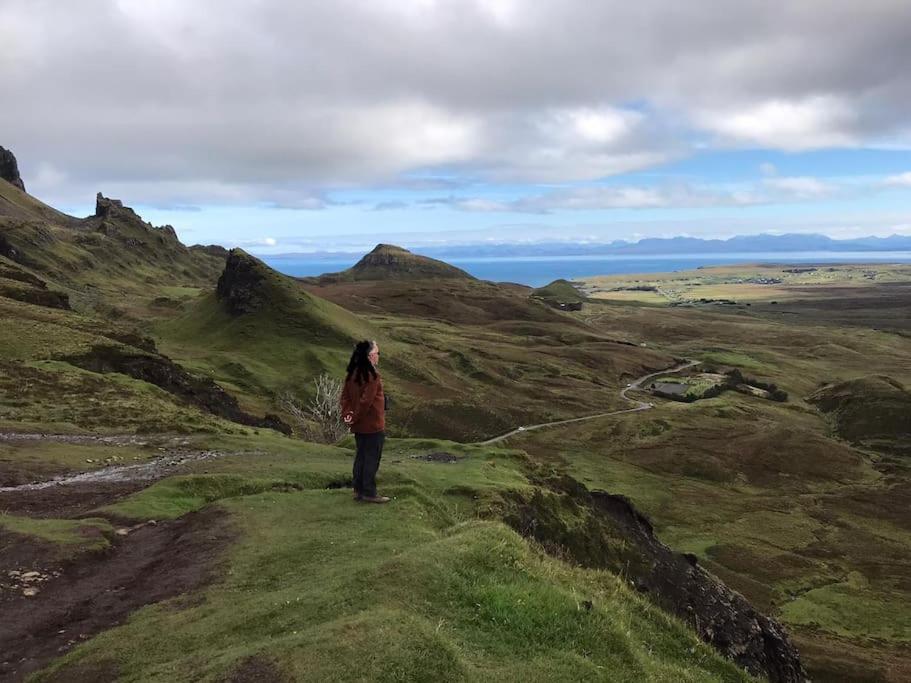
x=99, y=590
x=639, y=405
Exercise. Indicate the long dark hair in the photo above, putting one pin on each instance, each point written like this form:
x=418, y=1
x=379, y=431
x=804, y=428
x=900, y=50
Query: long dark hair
x=360, y=366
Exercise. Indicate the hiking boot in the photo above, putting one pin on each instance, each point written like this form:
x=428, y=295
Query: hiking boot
x=357, y=495
x=375, y=499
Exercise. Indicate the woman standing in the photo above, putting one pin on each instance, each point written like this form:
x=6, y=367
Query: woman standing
x=364, y=411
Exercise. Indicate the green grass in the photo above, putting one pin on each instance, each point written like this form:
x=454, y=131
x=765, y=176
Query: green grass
x=852, y=608
x=739, y=360
x=71, y=536
x=421, y=589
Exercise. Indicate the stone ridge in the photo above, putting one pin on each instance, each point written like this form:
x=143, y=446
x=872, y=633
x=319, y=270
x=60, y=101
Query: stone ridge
x=106, y=208
x=9, y=169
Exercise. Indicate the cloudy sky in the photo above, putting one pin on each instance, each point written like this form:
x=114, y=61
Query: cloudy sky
x=287, y=126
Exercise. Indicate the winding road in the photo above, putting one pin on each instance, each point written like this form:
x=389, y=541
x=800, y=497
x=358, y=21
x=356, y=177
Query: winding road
x=640, y=405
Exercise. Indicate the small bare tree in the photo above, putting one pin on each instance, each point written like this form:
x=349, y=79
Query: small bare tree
x=320, y=418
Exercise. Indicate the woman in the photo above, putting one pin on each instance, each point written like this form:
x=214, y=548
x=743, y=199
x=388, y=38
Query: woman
x=364, y=411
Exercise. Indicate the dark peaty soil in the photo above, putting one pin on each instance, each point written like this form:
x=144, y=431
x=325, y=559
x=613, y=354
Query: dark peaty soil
x=256, y=669
x=74, y=500
x=96, y=592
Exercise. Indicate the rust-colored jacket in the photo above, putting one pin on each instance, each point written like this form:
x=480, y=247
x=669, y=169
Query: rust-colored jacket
x=366, y=403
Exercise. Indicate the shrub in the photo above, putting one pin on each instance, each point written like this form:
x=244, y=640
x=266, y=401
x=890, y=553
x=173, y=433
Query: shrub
x=321, y=418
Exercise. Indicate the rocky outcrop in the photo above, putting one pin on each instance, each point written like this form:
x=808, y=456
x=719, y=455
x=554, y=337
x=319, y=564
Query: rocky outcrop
x=106, y=207
x=164, y=373
x=241, y=285
x=122, y=223
x=9, y=169
x=601, y=530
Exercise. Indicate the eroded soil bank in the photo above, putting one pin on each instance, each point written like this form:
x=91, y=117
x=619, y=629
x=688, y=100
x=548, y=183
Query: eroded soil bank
x=98, y=590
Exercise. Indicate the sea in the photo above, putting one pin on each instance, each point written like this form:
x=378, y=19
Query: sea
x=536, y=271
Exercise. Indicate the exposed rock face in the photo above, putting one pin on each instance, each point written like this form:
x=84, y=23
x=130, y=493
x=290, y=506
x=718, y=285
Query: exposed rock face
x=601, y=530
x=106, y=208
x=9, y=169
x=240, y=286
x=120, y=222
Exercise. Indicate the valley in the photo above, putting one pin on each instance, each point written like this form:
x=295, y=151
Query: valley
x=687, y=541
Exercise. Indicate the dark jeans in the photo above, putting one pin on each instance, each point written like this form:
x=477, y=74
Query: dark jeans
x=367, y=462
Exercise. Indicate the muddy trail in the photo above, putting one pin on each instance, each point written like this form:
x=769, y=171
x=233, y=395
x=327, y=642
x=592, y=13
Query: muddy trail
x=50, y=607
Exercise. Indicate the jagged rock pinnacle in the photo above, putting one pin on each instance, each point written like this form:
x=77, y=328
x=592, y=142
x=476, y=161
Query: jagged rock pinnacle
x=104, y=206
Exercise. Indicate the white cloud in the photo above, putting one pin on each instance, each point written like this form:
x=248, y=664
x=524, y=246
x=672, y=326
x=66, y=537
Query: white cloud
x=261, y=242
x=810, y=123
x=900, y=180
x=800, y=187
x=243, y=98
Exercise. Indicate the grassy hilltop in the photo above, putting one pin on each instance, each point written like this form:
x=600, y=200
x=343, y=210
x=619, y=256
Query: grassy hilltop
x=493, y=562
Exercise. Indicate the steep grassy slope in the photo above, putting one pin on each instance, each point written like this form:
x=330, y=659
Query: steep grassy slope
x=804, y=525
x=18, y=204
x=260, y=333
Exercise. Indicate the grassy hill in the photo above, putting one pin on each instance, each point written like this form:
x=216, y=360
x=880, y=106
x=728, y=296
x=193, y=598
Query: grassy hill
x=873, y=411
x=559, y=291
x=260, y=334
x=389, y=262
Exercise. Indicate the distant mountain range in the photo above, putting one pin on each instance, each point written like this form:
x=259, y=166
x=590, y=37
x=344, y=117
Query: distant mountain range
x=652, y=246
